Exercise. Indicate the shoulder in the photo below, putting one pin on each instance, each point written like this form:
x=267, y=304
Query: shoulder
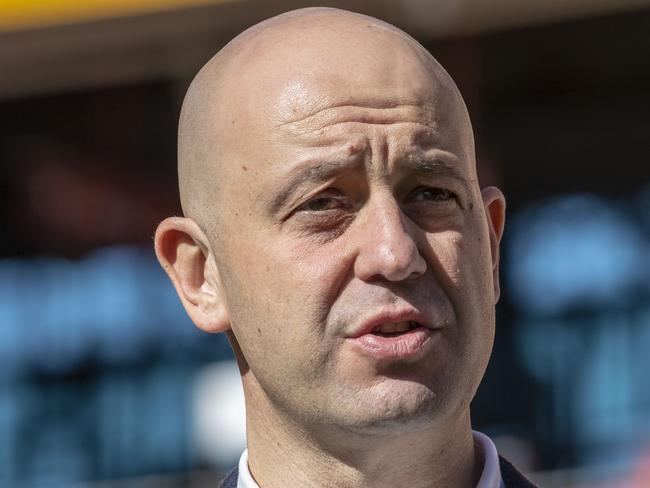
x=512, y=478
x=230, y=481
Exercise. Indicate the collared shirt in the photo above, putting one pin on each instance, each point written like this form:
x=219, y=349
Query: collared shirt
x=490, y=478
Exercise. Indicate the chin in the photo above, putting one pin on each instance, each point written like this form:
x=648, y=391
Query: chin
x=397, y=407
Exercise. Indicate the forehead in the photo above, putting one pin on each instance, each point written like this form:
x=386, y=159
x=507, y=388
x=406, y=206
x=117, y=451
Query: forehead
x=308, y=82
x=291, y=72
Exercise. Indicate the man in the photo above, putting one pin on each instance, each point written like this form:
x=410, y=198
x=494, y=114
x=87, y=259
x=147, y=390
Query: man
x=334, y=229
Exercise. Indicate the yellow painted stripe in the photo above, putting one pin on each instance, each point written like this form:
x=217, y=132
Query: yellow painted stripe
x=25, y=14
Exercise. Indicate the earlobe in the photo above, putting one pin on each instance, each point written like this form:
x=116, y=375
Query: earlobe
x=183, y=251
x=495, y=211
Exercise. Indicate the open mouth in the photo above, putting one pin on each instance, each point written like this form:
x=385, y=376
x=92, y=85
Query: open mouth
x=393, y=341
x=394, y=329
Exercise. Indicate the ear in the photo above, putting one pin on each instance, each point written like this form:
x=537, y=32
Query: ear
x=495, y=210
x=184, y=253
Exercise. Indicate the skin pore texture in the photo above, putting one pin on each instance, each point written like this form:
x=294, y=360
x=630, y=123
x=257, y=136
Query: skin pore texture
x=327, y=177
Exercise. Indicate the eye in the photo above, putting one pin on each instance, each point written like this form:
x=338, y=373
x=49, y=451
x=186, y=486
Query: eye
x=326, y=214
x=329, y=200
x=320, y=204
x=430, y=194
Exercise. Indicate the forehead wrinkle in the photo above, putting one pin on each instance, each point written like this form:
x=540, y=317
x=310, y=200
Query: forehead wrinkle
x=348, y=130
x=378, y=109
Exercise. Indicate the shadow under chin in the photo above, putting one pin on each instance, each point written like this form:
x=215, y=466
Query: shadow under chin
x=400, y=408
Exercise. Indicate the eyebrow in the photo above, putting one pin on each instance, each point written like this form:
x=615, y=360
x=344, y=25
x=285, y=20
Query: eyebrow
x=437, y=166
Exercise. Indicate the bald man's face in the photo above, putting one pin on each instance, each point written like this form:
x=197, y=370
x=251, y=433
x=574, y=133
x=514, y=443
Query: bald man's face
x=353, y=243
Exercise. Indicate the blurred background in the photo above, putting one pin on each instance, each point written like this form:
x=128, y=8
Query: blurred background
x=103, y=379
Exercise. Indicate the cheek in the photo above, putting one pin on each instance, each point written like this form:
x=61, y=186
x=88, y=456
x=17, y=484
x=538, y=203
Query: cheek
x=279, y=293
x=315, y=272
x=446, y=256
x=465, y=273
x=475, y=302
x=278, y=301
x=464, y=267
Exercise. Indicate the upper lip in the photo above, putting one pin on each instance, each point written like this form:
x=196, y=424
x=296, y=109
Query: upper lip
x=391, y=316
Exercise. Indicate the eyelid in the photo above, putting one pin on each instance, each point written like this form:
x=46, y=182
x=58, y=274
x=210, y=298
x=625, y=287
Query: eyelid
x=328, y=193
x=303, y=206
x=298, y=200
x=418, y=189
x=455, y=197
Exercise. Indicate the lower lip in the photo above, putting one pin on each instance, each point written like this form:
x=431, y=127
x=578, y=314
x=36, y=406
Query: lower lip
x=406, y=345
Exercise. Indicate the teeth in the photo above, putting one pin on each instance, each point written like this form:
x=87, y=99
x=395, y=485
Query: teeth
x=395, y=327
x=388, y=328
x=402, y=326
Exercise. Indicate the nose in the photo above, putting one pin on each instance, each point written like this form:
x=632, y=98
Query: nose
x=387, y=249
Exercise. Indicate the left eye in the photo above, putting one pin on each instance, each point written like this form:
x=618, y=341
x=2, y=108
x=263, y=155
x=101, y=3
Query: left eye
x=431, y=195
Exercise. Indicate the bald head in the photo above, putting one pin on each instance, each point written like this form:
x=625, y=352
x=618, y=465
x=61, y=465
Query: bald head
x=290, y=68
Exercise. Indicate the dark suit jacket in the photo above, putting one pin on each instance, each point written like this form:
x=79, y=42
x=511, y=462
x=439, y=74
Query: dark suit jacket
x=511, y=477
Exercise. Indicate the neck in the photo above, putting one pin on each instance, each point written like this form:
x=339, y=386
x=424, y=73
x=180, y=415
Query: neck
x=282, y=451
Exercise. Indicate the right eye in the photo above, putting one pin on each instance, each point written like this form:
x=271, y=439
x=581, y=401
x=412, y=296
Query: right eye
x=323, y=202
x=327, y=212
x=319, y=204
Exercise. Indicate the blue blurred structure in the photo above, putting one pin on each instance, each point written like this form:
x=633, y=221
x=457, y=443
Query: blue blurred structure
x=579, y=274
x=577, y=251
x=97, y=359
x=109, y=308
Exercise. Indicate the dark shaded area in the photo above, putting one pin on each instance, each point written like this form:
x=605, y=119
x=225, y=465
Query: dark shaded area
x=565, y=107
x=85, y=170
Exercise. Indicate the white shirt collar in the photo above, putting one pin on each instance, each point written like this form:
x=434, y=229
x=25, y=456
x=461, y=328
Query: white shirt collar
x=490, y=478
x=245, y=479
